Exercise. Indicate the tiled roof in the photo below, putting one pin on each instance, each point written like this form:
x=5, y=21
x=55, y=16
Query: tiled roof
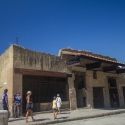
x=69, y=51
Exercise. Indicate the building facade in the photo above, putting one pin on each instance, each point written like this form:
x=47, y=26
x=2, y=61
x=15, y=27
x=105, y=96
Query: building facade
x=95, y=78
x=83, y=79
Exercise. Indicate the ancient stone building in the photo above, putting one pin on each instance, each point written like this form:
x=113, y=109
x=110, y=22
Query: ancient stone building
x=83, y=79
x=22, y=70
x=95, y=78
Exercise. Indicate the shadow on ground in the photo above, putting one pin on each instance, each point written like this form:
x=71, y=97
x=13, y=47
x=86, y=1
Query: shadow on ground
x=17, y=119
x=65, y=112
x=39, y=120
x=110, y=108
x=62, y=118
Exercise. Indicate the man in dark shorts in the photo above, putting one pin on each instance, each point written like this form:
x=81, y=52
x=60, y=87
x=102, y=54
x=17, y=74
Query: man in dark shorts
x=5, y=101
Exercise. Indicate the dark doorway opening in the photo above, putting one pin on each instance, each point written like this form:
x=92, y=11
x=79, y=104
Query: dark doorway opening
x=80, y=89
x=113, y=92
x=123, y=93
x=43, y=89
x=98, y=99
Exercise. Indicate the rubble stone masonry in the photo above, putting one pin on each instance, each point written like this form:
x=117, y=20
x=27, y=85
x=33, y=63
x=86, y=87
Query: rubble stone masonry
x=6, y=73
x=27, y=59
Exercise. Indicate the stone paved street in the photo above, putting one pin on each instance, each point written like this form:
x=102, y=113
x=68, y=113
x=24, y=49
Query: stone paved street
x=108, y=120
x=66, y=116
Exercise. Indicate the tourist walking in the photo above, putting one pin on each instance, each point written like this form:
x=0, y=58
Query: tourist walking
x=59, y=103
x=54, y=107
x=5, y=101
x=29, y=106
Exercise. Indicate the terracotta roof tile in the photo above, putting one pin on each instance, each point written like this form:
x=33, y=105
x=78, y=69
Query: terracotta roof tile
x=89, y=54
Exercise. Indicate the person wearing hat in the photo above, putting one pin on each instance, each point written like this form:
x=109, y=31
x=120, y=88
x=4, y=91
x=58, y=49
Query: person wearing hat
x=19, y=96
x=17, y=103
x=59, y=102
x=29, y=106
x=54, y=107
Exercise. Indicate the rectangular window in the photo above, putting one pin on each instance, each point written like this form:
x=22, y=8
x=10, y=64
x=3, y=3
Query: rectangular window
x=112, y=82
x=94, y=74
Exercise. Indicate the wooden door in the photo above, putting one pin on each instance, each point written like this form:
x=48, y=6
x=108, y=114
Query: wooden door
x=98, y=99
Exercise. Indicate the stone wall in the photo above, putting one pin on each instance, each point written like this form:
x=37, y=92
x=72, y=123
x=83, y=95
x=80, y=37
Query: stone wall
x=28, y=59
x=72, y=93
x=121, y=84
x=48, y=106
x=101, y=81
x=60, y=66
x=6, y=73
x=19, y=57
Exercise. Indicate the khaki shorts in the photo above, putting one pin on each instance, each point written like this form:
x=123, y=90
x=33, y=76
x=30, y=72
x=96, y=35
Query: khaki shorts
x=55, y=109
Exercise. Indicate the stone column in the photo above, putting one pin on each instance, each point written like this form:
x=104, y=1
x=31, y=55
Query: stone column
x=120, y=81
x=89, y=99
x=67, y=92
x=72, y=93
x=3, y=117
x=106, y=93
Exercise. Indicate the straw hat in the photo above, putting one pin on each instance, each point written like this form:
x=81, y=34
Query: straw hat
x=29, y=92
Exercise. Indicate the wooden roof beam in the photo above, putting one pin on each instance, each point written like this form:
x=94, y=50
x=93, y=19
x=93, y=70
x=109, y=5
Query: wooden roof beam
x=93, y=65
x=118, y=71
x=110, y=68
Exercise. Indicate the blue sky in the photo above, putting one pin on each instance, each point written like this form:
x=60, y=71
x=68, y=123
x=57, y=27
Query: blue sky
x=49, y=25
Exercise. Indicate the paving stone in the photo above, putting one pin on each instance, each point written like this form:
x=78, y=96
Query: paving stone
x=47, y=118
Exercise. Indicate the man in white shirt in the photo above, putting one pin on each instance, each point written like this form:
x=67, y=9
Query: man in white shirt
x=59, y=102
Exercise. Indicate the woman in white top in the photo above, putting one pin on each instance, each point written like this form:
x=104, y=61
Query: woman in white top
x=59, y=102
